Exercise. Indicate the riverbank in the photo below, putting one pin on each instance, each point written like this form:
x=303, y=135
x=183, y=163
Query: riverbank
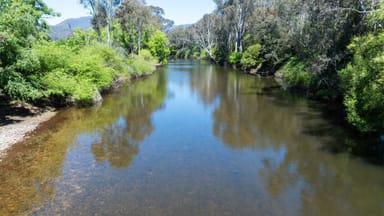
x=17, y=121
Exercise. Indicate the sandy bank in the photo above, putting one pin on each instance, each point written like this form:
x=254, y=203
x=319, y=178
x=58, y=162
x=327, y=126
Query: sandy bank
x=18, y=130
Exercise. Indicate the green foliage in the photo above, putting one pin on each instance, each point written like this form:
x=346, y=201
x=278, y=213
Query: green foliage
x=89, y=65
x=158, y=45
x=20, y=24
x=140, y=66
x=18, y=87
x=59, y=83
x=53, y=55
x=295, y=75
x=146, y=55
x=80, y=74
x=376, y=19
x=78, y=39
x=251, y=57
x=31, y=67
x=28, y=62
x=235, y=58
x=363, y=83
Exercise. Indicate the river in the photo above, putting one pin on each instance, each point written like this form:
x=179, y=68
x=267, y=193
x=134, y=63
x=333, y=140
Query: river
x=193, y=139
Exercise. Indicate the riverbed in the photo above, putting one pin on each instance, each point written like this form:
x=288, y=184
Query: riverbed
x=193, y=139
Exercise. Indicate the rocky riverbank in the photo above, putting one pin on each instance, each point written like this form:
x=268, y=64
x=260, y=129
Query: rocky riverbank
x=17, y=121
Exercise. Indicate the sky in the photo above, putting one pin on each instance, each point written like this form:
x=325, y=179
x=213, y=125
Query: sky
x=180, y=11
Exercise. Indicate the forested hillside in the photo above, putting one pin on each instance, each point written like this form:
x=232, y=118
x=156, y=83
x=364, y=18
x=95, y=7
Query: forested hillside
x=126, y=41
x=330, y=50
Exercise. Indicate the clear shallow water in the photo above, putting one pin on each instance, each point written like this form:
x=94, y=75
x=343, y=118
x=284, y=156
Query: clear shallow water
x=193, y=139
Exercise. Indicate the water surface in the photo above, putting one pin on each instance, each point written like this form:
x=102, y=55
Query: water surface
x=193, y=139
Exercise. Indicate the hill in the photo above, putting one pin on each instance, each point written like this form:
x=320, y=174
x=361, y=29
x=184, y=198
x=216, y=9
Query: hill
x=65, y=28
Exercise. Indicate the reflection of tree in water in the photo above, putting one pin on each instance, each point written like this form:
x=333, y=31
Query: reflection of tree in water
x=244, y=118
x=249, y=116
x=119, y=142
x=204, y=81
x=29, y=171
x=116, y=147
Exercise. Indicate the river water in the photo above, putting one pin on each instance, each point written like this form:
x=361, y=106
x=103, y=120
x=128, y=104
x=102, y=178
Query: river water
x=193, y=139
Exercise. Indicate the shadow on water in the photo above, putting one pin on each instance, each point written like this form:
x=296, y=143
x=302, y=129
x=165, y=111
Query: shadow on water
x=10, y=114
x=346, y=139
x=254, y=113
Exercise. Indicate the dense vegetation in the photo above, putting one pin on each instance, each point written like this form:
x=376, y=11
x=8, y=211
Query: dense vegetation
x=33, y=68
x=327, y=49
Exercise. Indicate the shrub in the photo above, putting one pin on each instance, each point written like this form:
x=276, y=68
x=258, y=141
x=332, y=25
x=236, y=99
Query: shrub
x=59, y=83
x=363, y=83
x=19, y=88
x=295, y=75
x=147, y=56
x=251, y=57
x=89, y=65
x=140, y=66
x=53, y=55
x=158, y=45
x=235, y=58
x=28, y=62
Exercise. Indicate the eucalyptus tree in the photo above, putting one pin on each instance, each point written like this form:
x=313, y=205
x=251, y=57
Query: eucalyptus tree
x=238, y=15
x=110, y=9
x=182, y=41
x=162, y=23
x=134, y=17
x=205, y=35
x=98, y=14
x=103, y=13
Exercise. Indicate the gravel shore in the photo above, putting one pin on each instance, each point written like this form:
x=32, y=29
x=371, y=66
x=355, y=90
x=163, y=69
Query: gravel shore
x=18, y=130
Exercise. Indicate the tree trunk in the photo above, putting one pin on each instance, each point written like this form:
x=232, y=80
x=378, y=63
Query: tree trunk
x=109, y=34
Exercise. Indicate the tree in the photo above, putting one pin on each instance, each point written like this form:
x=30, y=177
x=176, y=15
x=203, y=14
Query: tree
x=98, y=15
x=363, y=79
x=163, y=23
x=205, y=35
x=134, y=19
x=21, y=24
x=158, y=45
x=103, y=12
x=182, y=42
x=251, y=57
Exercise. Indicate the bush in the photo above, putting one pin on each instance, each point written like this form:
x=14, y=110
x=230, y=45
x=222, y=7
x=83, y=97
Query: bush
x=251, y=58
x=53, y=55
x=59, y=83
x=89, y=65
x=80, y=74
x=363, y=83
x=140, y=66
x=73, y=68
x=28, y=62
x=158, y=45
x=235, y=58
x=147, y=56
x=19, y=88
x=295, y=75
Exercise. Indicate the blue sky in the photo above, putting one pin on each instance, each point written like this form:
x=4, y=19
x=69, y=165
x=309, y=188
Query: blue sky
x=180, y=11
